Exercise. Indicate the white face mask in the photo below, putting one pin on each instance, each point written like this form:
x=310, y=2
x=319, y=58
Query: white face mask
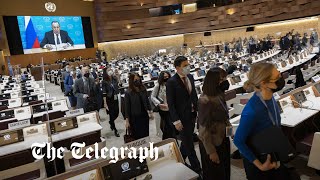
x=186, y=70
x=110, y=73
x=71, y=73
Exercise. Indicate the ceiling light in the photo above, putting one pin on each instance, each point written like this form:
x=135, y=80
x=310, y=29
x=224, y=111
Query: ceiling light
x=231, y=11
x=128, y=26
x=172, y=21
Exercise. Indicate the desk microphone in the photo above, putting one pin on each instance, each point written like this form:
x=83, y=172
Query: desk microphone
x=305, y=107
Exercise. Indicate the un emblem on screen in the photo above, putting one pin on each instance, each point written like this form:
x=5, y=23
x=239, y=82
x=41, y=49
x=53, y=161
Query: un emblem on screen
x=50, y=7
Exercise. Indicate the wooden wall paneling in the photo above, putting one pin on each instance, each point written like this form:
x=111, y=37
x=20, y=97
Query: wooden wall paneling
x=50, y=57
x=247, y=13
x=124, y=5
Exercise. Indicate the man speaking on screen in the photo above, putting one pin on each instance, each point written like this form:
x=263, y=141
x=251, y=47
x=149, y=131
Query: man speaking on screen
x=56, y=38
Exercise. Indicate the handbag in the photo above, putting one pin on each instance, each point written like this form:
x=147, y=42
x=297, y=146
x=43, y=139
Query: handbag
x=128, y=136
x=279, y=147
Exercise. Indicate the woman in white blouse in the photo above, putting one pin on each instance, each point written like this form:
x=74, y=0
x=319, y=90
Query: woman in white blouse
x=158, y=98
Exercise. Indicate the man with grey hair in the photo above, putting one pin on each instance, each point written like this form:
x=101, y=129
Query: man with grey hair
x=85, y=90
x=56, y=37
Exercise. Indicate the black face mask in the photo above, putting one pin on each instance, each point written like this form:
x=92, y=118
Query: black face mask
x=280, y=84
x=224, y=85
x=86, y=75
x=165, y=80
x=137, y=83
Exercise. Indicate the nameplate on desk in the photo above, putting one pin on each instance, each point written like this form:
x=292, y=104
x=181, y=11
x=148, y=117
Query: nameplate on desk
x=316, y=78
x=11, y=137
x=19, y=124
x=51, y=98
x=22, y=113
x=143, y=142
x=15, y=102
x=60, y=105
x=75, y=112
x=63, y=125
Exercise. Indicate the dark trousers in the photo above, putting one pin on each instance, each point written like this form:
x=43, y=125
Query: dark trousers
x=73, y=101
x=62, y=86
x=139, y=125
x=212, y=170
x=187, y=146
x=113, y=112
x=167, y=128
x=253, y=173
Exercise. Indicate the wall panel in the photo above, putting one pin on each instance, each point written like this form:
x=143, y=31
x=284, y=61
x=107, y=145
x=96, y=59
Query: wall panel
x=249, y=12
x=143, y=46
x=50, y=57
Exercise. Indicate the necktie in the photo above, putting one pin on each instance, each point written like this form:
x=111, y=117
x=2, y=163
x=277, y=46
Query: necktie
x=58, y=39
x=184, y=79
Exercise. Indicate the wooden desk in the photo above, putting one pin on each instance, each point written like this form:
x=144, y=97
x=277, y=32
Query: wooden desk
x=41, y=136
x=170, y=171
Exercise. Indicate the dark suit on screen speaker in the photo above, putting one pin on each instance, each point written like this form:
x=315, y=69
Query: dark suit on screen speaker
x=49, y=38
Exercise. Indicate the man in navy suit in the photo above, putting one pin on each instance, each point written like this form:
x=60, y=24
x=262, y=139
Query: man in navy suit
x=56, y=37
x=183, y=106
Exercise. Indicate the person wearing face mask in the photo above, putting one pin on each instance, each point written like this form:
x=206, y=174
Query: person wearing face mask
x=159, y=98
x=213, y=124
x=111, y=89
x=68, y=85
x=261, y=112
x=86, y=89
x=183, y=106
x=137, y=108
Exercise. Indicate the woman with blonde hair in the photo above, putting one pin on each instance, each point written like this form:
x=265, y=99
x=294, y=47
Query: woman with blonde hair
x=261, y=112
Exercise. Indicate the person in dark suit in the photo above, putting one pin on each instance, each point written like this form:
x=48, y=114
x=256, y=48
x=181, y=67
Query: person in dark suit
x=111, y=88
x=137, y=107
x=285, y=42
x=85, y=90
x=64, y=73
x=183, y=105
x=56, y=37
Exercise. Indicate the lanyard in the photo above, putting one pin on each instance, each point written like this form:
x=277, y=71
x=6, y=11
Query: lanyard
x=225, y=108
x=275, y=123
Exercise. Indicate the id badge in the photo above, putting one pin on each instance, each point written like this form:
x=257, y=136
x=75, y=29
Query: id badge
x=229, y=131
x=115, y=97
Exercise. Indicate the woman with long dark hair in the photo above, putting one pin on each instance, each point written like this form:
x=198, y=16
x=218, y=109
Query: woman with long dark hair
x=213, y=122
x=111, y=88
x=137, y=107
x=159, y=98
